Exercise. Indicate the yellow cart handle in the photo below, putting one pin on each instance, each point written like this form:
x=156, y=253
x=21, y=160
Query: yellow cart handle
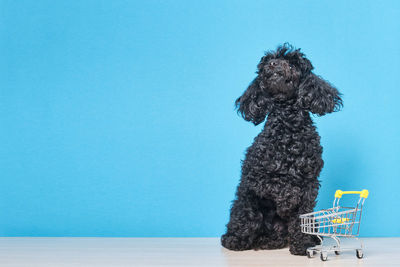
x=364, y=193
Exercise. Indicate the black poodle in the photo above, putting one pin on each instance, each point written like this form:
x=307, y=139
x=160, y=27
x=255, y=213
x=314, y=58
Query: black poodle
x=280, y=171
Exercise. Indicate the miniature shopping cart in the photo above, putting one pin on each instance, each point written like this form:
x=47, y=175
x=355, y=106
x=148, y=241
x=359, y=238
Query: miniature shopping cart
x=336, y=222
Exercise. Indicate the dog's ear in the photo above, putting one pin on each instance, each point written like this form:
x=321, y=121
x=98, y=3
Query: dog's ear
x=254, y=105
x=318, y=96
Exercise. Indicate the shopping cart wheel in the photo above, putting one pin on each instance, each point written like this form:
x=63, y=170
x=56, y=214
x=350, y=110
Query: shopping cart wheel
x=324, y=256
x=359, y=253
x=310, y=253
x=337, y=252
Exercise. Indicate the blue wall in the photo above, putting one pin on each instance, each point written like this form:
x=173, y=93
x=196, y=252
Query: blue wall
x=117, y=117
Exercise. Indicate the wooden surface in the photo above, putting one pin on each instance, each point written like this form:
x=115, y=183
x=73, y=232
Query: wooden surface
x=17, y=251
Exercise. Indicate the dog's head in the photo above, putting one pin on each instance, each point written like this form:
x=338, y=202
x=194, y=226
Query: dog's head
x=285, y=76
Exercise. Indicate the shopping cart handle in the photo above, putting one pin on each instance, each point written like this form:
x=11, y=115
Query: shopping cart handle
x=364, y=193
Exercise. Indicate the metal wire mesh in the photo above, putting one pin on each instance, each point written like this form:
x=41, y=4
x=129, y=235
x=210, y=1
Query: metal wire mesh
x=338, y=221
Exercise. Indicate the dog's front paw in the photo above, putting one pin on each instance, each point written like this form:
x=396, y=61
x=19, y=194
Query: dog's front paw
x=300, y=248
x=300, y=251
x=234, y=243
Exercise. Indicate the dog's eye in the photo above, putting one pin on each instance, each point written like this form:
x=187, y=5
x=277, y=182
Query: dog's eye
x=272, y=63
x=290, y=67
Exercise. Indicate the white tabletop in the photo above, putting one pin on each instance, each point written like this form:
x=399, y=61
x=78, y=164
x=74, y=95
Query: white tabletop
x=77, y=251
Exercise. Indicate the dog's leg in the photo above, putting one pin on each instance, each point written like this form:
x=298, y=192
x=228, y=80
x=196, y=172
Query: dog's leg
x=245, y=222
x=288, y=200
x=275, y=234
x=298, y=241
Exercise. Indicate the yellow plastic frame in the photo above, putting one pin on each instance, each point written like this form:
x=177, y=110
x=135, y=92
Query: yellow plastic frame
x=364, y=193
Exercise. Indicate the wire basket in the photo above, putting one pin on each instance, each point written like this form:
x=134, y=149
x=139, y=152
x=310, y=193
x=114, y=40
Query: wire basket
x=335, y=222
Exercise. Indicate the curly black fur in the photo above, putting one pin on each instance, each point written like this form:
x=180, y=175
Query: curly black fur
x=280, y=172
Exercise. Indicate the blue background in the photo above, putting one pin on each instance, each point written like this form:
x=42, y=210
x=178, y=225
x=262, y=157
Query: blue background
x=117, y=117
